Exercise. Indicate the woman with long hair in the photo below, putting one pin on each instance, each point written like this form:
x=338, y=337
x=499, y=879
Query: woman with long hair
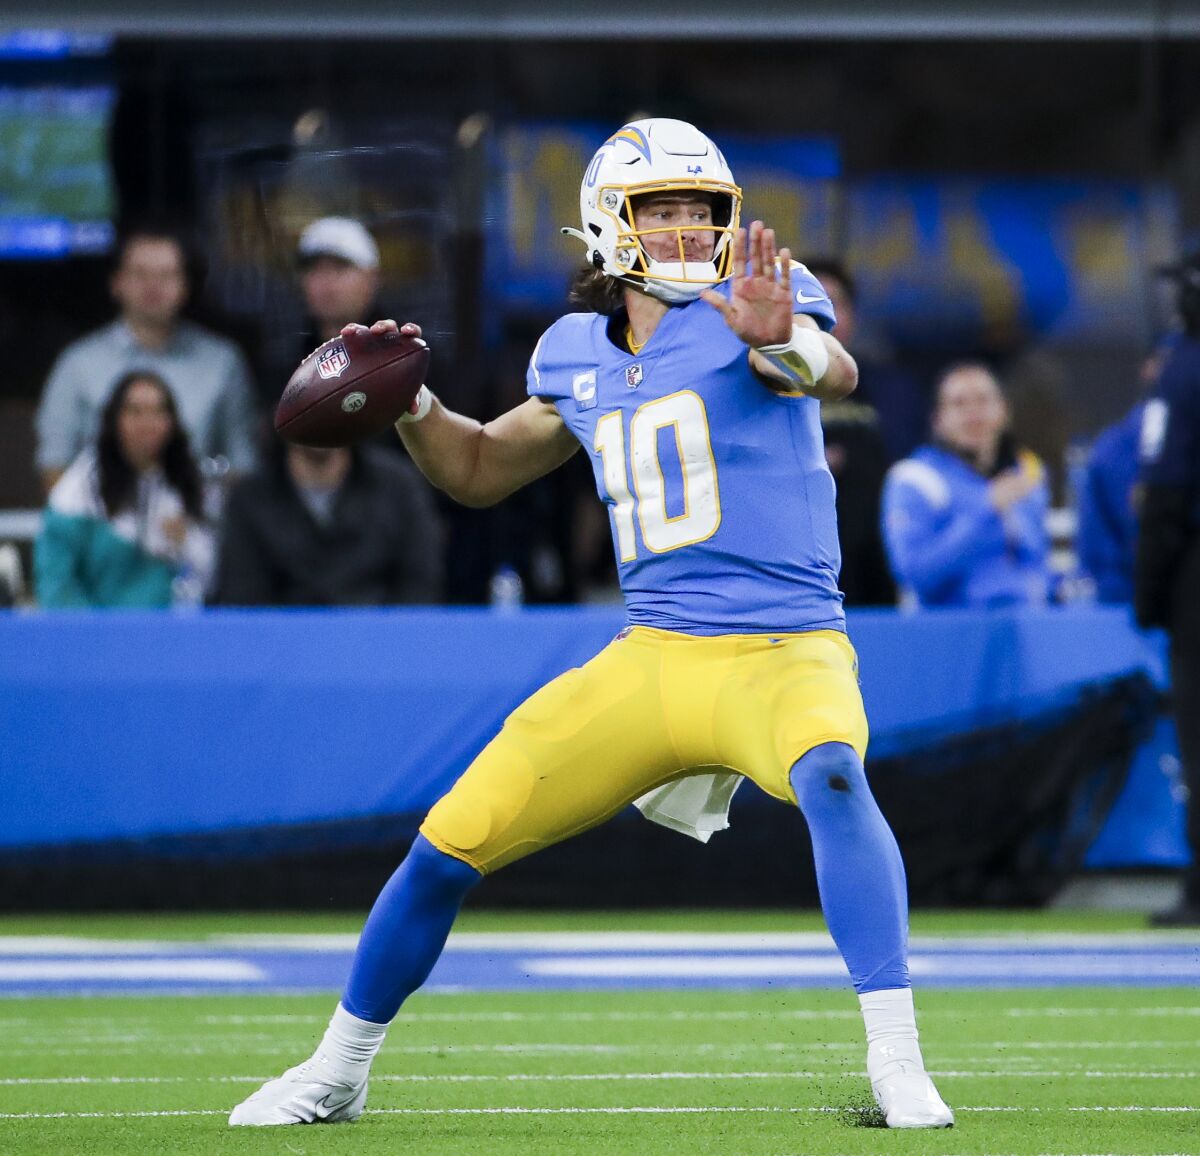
x=125, y=525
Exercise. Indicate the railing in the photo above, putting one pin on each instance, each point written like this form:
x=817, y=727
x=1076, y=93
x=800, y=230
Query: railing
x=19, y=525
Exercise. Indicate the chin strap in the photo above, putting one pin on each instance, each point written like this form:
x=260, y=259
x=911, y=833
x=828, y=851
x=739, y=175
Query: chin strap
x=664, y=291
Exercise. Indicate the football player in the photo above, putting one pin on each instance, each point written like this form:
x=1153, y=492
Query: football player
x=694, y=387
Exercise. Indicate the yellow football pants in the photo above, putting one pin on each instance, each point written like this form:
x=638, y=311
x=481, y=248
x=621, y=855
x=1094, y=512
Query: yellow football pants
x=652, y=706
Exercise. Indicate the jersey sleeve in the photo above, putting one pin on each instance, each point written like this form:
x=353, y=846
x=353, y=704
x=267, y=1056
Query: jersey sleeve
x=536, y=384
x=809, y=298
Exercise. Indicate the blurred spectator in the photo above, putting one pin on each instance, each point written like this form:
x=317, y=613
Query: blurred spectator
x=206, y=373
x=1039, y=416
x=125, y=525
x=12, y=576
x=330, y=527
x=890, y=391
x=858, y=460
x=339, y=277
x=857, y=450
x=1107, y=535
x=1167, y=565
x=964, y=516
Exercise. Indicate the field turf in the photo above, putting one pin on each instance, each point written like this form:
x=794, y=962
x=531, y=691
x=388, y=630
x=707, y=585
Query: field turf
x=1069, y=1070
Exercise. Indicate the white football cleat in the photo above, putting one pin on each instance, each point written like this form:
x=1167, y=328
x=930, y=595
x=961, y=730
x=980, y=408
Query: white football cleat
x=908, y=1099
x=307, y=1094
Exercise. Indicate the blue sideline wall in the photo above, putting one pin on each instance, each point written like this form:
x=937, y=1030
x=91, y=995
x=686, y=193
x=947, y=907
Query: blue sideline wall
x=126, y=725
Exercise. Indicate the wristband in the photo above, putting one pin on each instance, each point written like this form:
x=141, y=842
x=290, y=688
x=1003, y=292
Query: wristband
x=424, y=405
x=803, y=359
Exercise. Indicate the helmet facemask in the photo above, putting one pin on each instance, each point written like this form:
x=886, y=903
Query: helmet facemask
x=679, y=280
x=663, y=158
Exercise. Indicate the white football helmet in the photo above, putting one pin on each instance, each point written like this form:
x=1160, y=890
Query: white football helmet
x=656, y=156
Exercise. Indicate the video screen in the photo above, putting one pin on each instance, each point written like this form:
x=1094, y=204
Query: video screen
x=56, y=187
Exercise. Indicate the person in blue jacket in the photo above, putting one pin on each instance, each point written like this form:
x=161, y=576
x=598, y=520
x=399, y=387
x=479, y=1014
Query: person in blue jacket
x=1108, y=497
x=1107, y=532
x=964, y=516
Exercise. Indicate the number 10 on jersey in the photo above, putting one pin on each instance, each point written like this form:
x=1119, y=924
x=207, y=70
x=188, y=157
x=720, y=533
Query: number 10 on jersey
x=685, y=415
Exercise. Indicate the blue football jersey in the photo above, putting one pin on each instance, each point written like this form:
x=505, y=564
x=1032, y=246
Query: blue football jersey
x=721, y=504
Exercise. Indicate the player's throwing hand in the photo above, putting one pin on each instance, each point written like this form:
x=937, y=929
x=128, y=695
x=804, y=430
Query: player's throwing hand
x=759, y=306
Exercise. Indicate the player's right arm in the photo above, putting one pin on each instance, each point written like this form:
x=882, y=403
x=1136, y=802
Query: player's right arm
x=478, y=464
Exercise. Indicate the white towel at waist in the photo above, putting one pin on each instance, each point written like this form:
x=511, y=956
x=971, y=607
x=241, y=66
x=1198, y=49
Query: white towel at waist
x=696, y=806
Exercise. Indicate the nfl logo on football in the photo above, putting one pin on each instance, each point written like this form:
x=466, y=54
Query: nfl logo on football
x=334, y=361
x=633, y=376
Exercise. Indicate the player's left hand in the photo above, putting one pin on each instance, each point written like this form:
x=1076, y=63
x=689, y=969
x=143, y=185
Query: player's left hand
x=759, y=307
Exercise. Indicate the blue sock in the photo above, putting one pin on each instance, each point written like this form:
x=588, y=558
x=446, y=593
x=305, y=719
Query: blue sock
x=860, y=875
x=406, y=931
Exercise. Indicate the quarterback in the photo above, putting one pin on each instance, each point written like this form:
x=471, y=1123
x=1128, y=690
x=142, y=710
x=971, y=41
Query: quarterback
x=693, y=384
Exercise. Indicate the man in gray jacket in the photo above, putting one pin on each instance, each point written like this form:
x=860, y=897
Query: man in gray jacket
x=207, y=374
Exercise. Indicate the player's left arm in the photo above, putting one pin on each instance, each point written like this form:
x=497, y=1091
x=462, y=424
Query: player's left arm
x=787, y=349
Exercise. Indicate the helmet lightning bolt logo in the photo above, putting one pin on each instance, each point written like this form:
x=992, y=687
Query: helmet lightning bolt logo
x=633, y=136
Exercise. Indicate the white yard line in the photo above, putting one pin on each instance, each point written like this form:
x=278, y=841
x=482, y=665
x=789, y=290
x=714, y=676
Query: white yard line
x=85, y=945
x=143, y=970
x=609, y=1111
x=1007, y=965
x=1170, y=1010
x=594, y=941
x=1010, y=1048
x=593, y=1077
x=548, y=1017
x=516, y=1049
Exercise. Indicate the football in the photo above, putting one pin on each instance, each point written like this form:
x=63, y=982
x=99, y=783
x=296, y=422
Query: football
x=350, y=388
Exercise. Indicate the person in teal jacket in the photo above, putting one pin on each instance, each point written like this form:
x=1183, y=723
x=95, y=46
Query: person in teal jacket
x=964, y=517
x=125, y=526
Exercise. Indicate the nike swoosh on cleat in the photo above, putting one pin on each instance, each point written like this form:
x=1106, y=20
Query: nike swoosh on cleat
x=323, y=1102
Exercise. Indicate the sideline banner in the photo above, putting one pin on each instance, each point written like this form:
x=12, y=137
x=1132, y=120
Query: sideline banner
x=141, y=725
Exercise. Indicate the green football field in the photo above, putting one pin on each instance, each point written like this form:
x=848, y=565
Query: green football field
x=1064, y=1070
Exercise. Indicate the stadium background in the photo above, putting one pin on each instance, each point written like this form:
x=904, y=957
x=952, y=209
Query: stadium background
x=1002, y=178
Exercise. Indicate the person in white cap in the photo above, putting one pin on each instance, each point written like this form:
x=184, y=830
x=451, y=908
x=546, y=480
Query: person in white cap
x=337, y=262
x=339, y=273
